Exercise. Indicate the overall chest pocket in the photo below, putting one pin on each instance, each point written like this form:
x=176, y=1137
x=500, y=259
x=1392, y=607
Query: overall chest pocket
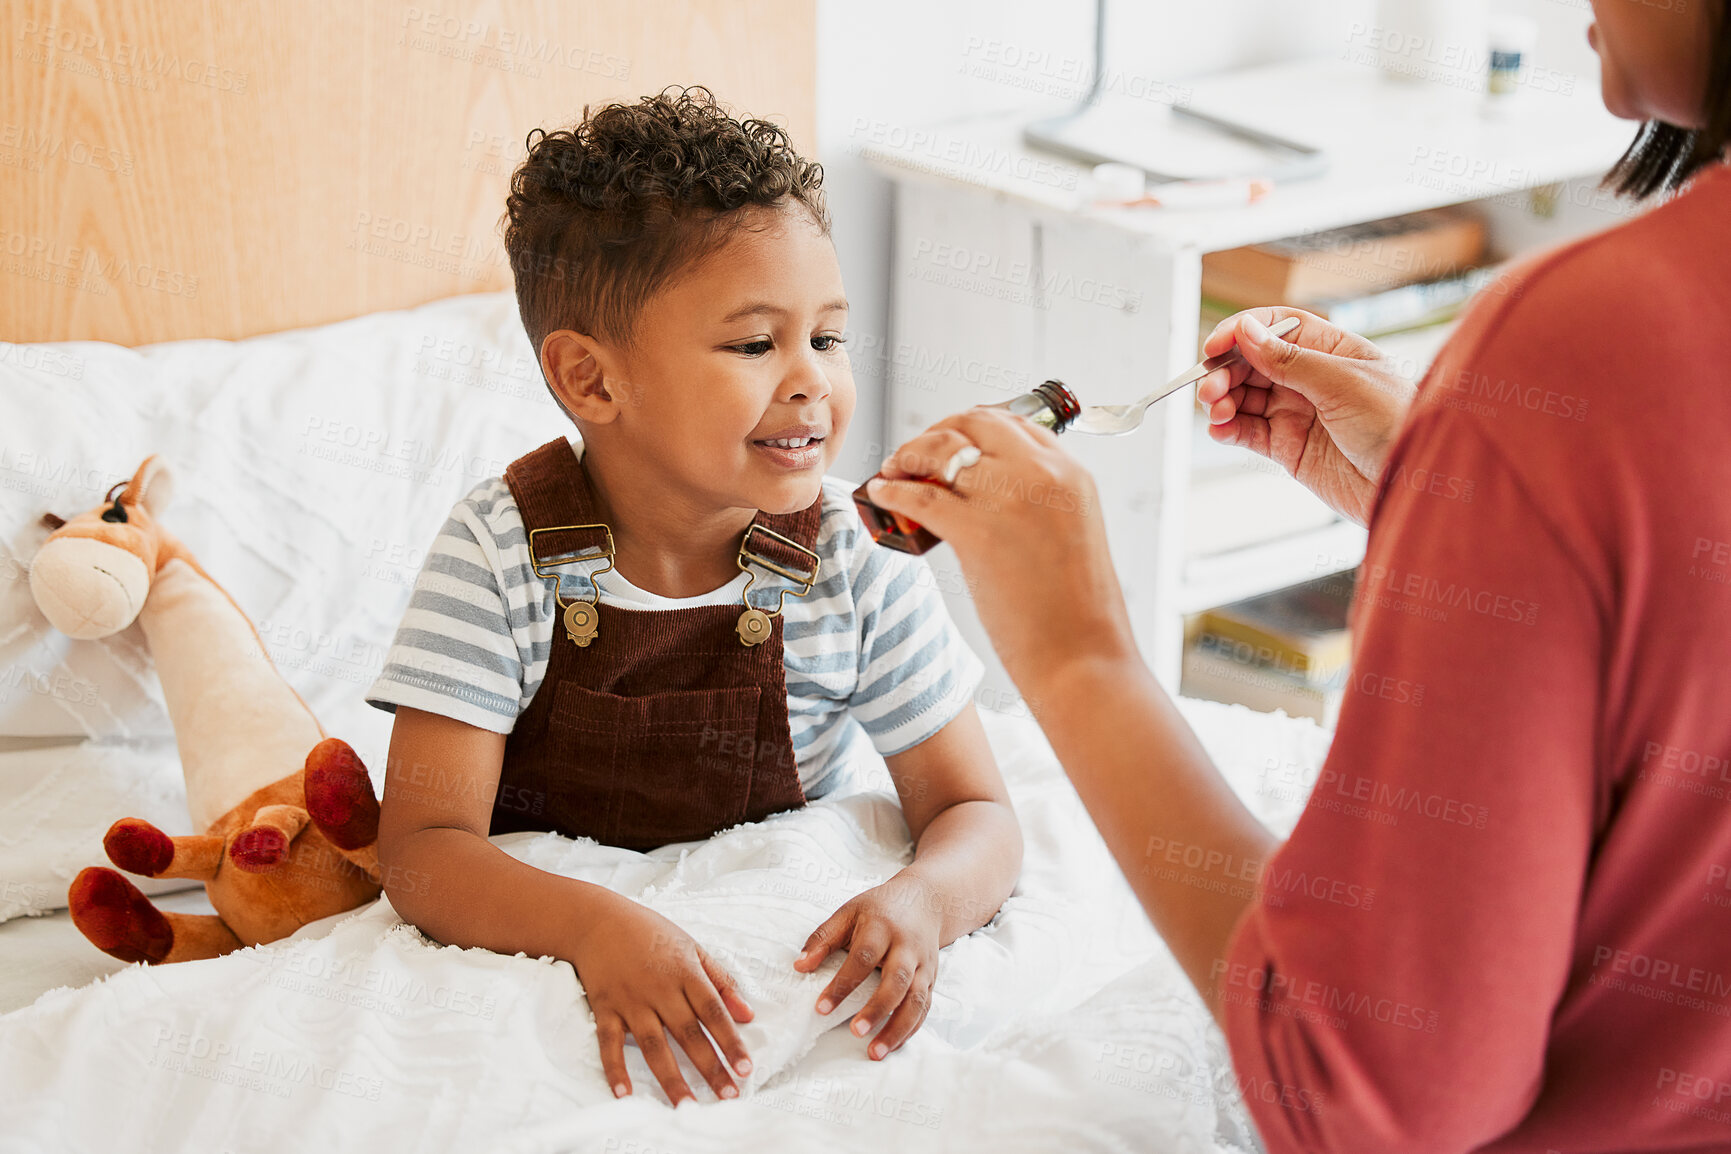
x=641, y=772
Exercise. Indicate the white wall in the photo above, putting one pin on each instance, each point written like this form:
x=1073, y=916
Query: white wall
x=915, y=62
x=904, y=63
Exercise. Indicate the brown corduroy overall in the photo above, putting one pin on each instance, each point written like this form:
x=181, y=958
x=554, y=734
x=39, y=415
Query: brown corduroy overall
x=665, y=727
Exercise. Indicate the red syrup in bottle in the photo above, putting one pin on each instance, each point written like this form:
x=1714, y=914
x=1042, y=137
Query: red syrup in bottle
x=1051, y=406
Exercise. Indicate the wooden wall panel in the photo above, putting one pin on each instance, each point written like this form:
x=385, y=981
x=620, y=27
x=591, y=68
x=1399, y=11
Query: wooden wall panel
x=184, y=169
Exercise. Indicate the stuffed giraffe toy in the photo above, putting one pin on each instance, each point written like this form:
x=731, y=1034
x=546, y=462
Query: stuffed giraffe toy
x=288, y=814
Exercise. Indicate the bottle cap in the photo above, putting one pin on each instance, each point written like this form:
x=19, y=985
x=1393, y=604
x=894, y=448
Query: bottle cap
x=1063, y=403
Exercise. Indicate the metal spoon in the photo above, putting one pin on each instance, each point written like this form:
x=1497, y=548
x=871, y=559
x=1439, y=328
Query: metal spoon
x=1112, y=420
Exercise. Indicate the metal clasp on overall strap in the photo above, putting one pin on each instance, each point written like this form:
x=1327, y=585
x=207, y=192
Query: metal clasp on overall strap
x=754, y=623
x=580, y=616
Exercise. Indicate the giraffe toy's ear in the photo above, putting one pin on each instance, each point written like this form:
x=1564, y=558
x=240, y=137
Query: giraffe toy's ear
x=153, y=485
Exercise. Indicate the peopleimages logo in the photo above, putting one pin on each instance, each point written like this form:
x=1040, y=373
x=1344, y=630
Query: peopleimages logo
x=1274, y=991
x=1018, y=281
x=1667, y=972
x=1480, y=393
x=1431, y=597
x=1385, y=802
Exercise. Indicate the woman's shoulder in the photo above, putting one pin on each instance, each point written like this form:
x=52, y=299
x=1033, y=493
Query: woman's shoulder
x=1632, y=281
x=1565, y=381
x=1583, y=333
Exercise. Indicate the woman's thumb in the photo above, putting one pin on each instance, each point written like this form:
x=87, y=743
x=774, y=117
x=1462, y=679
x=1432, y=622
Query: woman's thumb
x=919, y=500
x=911, y=497
x=1305, y=371
x=1268, y=354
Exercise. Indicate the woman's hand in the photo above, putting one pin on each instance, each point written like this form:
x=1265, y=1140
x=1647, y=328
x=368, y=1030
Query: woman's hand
x=646, y=977
x=1026, y=525
x=1324, y=404
x=893, y=927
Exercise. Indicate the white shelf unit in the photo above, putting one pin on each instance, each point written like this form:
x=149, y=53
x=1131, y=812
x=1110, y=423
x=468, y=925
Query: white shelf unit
x=1003, y=276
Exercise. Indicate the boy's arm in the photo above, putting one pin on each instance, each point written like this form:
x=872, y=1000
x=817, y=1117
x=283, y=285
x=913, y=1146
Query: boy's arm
x=643, y=975
x=967, y=845
x=440, y=871
x=967, y=857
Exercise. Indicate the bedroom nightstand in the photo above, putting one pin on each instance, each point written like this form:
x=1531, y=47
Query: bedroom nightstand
x=1003, y=276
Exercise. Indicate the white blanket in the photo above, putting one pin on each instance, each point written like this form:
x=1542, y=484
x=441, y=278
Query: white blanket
x=1063, y=1023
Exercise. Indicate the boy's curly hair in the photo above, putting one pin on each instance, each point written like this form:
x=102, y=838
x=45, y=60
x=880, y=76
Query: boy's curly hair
x=602, y=214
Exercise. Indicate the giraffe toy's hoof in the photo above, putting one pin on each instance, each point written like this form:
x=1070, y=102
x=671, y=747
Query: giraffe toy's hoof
x=138, y=847
x=258, y=850
x=340, y=795
x=117, y=918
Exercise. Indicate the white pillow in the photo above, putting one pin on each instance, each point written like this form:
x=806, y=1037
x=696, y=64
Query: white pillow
x=313, y=468
x=59, y=800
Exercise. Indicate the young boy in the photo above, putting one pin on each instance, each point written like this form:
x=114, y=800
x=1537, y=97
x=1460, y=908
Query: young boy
x=679, y=624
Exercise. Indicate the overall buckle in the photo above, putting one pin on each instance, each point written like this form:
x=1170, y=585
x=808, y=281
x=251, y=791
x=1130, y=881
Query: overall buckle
x=754, y=623
x=582, y=620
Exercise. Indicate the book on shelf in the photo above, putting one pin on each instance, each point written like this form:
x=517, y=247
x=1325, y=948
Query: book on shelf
x=1410, y=306
x=1402, y=309
x=1213, y=674
x=1349, y=262
x=1289, y=649
x=1299, y=630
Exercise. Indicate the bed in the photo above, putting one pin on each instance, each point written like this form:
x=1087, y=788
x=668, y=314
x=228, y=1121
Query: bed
x=318, y=445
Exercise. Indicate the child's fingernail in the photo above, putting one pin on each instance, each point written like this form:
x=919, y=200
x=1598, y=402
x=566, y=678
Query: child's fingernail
x=880, y=1050
x=824, y=1005
x=862, y=1026
x=620, y=1089
x=743, y=1066
x=729, y=1092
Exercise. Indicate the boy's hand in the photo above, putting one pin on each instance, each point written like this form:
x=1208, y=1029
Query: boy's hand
x=646, y=977
x=895, y=928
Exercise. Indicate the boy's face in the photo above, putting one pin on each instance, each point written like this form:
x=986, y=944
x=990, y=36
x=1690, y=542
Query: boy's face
x=736, y=388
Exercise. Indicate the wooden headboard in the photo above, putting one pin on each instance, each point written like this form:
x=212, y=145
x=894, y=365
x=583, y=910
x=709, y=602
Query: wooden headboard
x=177, y=169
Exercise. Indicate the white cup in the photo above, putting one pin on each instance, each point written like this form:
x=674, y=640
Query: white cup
x=1435, y=41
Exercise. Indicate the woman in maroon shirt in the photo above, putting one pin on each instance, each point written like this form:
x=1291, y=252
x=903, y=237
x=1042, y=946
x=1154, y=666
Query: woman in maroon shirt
x=1504, y=920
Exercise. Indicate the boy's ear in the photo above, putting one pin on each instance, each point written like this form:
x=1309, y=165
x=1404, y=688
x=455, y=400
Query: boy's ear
x=573, y=364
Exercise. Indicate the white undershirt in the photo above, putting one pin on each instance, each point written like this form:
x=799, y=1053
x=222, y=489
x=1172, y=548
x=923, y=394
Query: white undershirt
x=619, y=592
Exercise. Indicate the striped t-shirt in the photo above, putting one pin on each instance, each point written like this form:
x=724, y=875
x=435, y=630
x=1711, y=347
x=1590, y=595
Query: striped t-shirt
x=871, y=655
